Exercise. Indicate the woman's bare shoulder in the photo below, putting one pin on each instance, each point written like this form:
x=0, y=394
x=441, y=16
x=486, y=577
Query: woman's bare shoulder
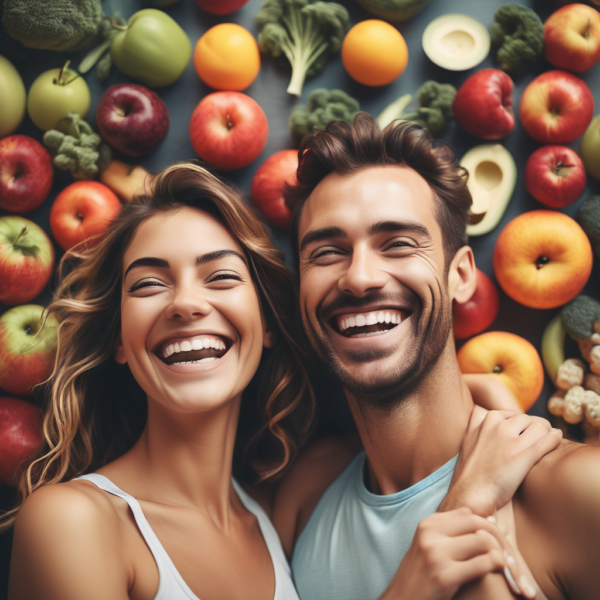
x=62, y=530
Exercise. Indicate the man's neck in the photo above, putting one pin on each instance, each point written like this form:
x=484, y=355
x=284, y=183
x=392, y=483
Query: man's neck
x=420, y=434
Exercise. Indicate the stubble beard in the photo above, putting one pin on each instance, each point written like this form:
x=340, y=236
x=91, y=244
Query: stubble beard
x=383, y=392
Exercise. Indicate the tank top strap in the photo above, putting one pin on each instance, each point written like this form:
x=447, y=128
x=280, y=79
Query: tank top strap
x=166, y=568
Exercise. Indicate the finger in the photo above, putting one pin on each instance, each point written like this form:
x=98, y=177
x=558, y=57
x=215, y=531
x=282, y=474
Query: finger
x=470, y=545
x=541, y=447
x=464, y=524
x=517, y=424
x=536, y=431
x=463, y=572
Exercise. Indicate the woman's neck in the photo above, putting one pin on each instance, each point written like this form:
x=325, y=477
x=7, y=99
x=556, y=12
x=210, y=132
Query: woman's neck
x=182, y=460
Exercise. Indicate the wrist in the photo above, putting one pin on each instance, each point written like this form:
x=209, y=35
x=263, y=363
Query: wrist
x=479, y=503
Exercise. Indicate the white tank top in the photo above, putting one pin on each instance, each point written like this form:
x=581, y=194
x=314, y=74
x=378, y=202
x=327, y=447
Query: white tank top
x=171, y=585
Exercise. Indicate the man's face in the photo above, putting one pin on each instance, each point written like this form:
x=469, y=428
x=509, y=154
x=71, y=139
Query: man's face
x=373, y=284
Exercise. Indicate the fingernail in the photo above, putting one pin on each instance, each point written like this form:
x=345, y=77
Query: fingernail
x=557, y=430
x=510, y=560
x=511, y=582
x=491, y=519
x=528, y=590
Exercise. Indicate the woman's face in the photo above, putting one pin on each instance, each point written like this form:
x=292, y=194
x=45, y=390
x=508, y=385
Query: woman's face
x=192, y=328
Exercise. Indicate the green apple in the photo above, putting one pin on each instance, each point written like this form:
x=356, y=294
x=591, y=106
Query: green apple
x=12, y=98
x=152, y=48
x=27, y=344
x=589, y=148
x=492, y=179
x=55, y=94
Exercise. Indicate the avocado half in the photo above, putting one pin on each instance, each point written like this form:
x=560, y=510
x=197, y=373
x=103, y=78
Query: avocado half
x=393, y=10
x=492, y=179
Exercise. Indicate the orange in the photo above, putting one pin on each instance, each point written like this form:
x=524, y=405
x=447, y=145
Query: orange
x=511, y=358
x=226, y=57
x=374, y=52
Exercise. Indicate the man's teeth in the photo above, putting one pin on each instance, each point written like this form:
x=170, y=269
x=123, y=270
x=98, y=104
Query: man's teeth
x=371, y=318
x=197, y=343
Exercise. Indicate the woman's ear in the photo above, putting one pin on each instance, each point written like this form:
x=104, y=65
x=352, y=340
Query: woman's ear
x=462, y=275
x=119, y=353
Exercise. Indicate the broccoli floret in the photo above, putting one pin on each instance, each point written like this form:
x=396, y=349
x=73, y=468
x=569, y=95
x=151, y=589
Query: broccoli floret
x=78, y=149
x=588, y=216
x=58, y=25
x=323, y=107
x=304, y=32
x=435, y=107
x=393, y=10
x=519, y=33
x=579, y=316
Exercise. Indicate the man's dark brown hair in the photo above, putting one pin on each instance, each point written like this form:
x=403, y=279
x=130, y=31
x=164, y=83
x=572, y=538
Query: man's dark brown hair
x=343, y=148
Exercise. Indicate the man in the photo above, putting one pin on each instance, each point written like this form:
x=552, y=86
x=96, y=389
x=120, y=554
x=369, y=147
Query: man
x=379, y=225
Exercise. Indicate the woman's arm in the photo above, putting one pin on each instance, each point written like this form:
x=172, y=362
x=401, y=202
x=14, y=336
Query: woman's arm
x=67, y=546
x=489, y=392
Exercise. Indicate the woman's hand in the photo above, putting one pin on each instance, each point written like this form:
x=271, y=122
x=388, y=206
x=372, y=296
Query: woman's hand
x=452, y=549
x=498, y=451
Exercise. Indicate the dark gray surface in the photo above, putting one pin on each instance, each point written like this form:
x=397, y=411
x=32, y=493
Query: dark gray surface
x=269, y=91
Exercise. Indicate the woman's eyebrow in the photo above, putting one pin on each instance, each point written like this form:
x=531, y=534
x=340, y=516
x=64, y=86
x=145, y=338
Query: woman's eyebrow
x=151, y=261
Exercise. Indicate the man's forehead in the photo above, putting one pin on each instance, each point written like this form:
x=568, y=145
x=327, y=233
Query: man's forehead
x=381, y=192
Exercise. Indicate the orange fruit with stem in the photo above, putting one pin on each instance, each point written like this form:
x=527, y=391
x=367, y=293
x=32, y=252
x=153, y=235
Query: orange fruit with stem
x=227, y=58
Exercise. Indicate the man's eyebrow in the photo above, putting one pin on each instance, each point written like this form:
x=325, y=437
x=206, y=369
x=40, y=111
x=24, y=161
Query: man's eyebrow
x=391, y=226
x=150, y=261
x=316, y=235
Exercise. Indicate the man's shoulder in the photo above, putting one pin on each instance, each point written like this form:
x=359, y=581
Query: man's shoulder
x=305, y=483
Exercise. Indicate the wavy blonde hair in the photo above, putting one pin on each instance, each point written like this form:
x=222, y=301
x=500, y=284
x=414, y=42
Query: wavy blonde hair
x=95, y=410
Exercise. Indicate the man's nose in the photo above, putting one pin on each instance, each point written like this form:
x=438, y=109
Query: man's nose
x=363, y=275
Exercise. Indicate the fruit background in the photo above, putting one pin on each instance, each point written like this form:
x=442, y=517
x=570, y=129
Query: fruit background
x=269, y=91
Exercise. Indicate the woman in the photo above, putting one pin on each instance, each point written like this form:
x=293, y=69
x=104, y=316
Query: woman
x=162, y=328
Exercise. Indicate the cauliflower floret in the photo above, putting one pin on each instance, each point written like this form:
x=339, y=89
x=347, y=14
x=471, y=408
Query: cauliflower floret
x=570, y=373
x=574, y=400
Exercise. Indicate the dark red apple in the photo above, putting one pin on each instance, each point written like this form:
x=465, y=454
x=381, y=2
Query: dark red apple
x=556, y=107
x=228, y=130
x=26, y=173
x=132, y=118
x=555, y=176
x=483, y=105
x=268, y=185
x=20, y=435
x=221, y=7
x=479, y=312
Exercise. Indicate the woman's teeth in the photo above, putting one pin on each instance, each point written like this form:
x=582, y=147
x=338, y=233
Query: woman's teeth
x=198, y=343
x=194, y=351
x=392, y=317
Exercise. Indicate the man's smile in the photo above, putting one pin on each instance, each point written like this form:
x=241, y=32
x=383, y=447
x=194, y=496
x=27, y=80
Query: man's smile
x=363, y=324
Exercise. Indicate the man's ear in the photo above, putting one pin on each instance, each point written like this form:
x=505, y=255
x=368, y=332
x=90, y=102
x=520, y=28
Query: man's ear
x=119, y=353
x=462, y=275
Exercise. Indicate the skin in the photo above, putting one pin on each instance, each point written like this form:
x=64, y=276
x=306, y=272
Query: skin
x=82, y=542
x=350, y=263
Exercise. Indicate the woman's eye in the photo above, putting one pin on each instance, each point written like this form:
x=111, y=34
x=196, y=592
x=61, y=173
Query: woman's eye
x=145, y=283
x=224, y=276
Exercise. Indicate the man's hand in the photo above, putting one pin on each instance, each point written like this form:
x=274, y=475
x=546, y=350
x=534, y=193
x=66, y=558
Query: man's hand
x=450, y=550
x=497, y=453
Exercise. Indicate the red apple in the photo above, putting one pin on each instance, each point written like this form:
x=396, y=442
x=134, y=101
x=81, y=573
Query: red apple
x=483, y=105
x=26, y=260
x=555, y=176
x=572, y=37
x=268, y=185
x=479, y=312
x=556, y=107
x=221, y=7
x=228, y=130
x=27, y=345
x=20, y=435
x=26, y=173
x=82, y=210
x=132, y=118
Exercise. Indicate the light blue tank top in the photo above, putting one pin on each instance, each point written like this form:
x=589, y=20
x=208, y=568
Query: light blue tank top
x=355, y=540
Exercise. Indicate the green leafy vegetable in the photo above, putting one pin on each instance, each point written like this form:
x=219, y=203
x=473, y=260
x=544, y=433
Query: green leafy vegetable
x=323, y=107
x=435, y=107
x=519, y=33
x=77, y=148
x=58, y=25
x=304, y=33
x=393, y=10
